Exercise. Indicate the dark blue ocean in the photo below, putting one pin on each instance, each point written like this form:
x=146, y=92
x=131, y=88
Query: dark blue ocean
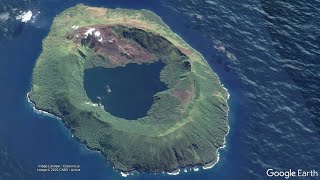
x=265, y=52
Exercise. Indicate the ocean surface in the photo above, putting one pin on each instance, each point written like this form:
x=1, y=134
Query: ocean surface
x=130, y=100
x=265, y=52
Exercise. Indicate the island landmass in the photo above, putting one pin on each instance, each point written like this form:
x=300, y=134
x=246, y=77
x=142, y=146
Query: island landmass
x=186, y=124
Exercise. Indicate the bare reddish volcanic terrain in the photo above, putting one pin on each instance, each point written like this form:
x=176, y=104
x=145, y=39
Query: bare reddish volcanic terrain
x=119, y=50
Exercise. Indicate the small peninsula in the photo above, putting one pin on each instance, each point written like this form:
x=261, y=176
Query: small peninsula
x=184, y=126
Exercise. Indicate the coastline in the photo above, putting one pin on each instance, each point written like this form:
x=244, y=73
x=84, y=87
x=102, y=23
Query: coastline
x=125, y=174
x=177, y=171
x=211, y=164
x=174, y=173
x=39, y=111
x=224, y=145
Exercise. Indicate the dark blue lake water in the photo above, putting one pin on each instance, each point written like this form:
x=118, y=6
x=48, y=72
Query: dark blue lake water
x=125, y=92
x=264, y=52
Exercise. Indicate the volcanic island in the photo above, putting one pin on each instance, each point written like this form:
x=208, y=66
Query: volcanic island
x=186, y=123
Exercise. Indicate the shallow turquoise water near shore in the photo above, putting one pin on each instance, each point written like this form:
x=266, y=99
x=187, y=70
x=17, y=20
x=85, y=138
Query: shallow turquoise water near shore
x=269, y=75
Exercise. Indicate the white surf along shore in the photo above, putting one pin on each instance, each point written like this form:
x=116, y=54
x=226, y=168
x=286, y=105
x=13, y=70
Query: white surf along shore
x=176, y=172
x=38, y=111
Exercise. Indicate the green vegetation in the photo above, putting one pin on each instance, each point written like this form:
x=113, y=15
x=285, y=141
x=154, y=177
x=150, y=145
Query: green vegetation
x=185, y=125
